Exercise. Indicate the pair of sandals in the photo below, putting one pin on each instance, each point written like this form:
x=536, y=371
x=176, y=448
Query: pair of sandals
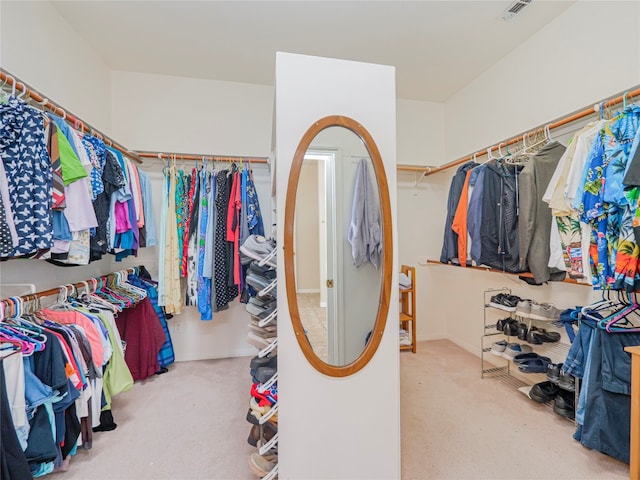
x=532, y=362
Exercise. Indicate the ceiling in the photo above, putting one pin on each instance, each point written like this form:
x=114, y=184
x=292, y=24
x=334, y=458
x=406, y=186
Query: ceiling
x=437, y=47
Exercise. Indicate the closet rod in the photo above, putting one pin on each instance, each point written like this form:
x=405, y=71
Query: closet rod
x=73, y=120
x=198, y=157
x=55, y=291
x=551, y=126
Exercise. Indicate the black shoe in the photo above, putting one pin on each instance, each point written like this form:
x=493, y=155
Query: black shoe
x=511, y=328
x=543, y=392
x=522, y=331
x=267, y=361
x=565, y=404
x=505, y=302
x=502, y=322
x=566, y=381
x=538, y=337
x=553, y=372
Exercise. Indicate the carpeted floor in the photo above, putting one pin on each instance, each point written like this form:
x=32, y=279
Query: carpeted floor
x=189, y=424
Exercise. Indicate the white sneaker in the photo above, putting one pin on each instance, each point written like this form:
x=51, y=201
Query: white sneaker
x=523, y=309
x=545, y=312
x=261, y=249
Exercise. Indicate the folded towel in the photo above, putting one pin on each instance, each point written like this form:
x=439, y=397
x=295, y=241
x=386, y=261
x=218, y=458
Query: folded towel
x=404, y=280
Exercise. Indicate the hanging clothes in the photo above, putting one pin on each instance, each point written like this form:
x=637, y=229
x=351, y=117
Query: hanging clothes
x=28, y=172
x=499, y=229
x=220, y=269
x=191, y=296
x=204, y=283
x=534, y=221
x=450, y=243
x=365, y=231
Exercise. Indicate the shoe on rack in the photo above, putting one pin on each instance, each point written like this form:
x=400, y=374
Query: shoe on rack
x=523, y=330
x=540, y=336
x=523, y=309
x=553, y=372
x=566, y=381
x=512, y=350
x=264, y=374
x=268, y=431
x=543, y=392
x=504, y=302
x=261, y=311
x=534, y=365
x=502, y=322
x=265, y=271
x=266, y=361
x=511, y=328
x=260, y=248
x=545, y=312
x=498, y=347
x=564, y=404
x=261, y=465
x=527, y=357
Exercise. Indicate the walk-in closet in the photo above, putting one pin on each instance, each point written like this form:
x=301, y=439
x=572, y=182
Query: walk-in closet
x=320, y=240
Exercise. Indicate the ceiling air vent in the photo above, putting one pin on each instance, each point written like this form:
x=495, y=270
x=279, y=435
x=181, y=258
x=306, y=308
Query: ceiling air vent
x=514, y=9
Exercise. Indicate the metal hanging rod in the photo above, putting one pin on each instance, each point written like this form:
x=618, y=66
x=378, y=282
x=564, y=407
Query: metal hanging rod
x=201, y=157
x=588, y=111
x=73, y=120
x=8, y=302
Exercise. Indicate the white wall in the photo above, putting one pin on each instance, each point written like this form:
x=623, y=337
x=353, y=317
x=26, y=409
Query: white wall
x=564, y=67
x=40, y=48
x=421, y=135
x=310, y=438
x=177, y=114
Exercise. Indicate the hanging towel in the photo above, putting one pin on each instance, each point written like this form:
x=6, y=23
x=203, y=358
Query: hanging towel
x=364, y=231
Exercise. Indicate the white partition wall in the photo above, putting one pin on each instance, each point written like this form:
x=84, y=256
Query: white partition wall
x=336, y=428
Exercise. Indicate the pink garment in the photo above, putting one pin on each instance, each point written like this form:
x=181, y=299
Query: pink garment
x=79, y=212
x=90, y=330
x=121, y=213
x=233, y=225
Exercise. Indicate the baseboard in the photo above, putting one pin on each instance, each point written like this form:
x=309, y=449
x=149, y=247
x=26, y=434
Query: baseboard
x=308, y=290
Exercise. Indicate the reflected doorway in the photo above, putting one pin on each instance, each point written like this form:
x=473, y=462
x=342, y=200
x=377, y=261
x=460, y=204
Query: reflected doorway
x=315, y=256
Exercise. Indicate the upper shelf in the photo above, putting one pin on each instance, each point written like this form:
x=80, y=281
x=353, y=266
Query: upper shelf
x=495, y=270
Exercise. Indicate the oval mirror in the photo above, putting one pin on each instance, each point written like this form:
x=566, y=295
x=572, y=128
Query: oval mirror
x=337, y=246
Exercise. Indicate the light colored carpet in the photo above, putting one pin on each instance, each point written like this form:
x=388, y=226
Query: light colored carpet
x=190, y=424
x=456, y=425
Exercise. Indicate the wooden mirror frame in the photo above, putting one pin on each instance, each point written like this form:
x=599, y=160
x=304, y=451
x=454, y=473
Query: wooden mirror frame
x=289, y=271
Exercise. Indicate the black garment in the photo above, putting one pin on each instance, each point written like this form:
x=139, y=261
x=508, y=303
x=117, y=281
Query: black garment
x=450, y=243
x=499, y=229
x=106, y=422
x=220, y=243
x=13, y=461
x=72, y=430
x=113, y=180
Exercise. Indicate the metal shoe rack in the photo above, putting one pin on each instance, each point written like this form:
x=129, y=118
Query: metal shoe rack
x=270, y=447
x=503, y=369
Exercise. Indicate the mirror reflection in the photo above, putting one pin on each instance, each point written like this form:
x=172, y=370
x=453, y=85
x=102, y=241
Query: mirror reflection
x=337, y=245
